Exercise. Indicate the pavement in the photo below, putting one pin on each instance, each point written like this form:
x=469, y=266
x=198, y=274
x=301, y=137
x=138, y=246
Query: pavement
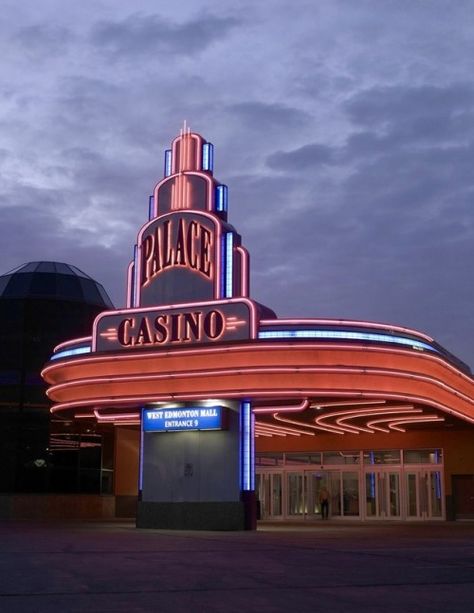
x=325, y=566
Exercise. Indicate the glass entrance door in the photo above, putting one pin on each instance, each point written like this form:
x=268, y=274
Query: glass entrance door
x=269, y=491
x=314, y=481
x=382, y=484
x=296, y=500
x=303, y=493
x=382, y=494
x=424, y=494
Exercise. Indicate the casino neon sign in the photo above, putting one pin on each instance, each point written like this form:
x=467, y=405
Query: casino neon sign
x=177, y=327
x=208, y=322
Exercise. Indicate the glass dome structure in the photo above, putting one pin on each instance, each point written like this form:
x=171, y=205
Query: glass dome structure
x=41, y=305
x=52, y=280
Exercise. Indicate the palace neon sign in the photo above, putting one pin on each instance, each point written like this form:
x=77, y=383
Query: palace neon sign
x=177, y=242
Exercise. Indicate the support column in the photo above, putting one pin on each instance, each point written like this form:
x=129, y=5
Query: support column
x=197, y=466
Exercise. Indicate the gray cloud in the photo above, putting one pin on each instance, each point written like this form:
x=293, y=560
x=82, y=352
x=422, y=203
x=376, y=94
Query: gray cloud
x=141, y=34
x=41, y=41
x=260, y=117
x=301, y=159
x=408, y=103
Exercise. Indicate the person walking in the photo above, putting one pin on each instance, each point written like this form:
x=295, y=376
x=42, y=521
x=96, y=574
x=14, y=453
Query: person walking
x=324, y=502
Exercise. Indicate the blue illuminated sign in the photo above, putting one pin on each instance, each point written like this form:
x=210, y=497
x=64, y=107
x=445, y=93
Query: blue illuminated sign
x=178, y=419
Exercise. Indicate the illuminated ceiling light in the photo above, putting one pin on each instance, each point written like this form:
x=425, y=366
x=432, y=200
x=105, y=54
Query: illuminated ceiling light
x=113, y=417
x=342, y=403
x=287, y=409
x=358, y=413
x=395, y=424
x=275, y=427
x=329, y=429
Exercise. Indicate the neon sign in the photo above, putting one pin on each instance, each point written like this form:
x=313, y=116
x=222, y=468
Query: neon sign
x=171, y=419
x=176, y=242
x=197, y=323
x=179, y=259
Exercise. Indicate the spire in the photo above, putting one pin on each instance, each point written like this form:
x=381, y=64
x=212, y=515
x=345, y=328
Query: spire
x=187, y=150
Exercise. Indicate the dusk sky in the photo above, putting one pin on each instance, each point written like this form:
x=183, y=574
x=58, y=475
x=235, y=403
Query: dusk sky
x=343, y=128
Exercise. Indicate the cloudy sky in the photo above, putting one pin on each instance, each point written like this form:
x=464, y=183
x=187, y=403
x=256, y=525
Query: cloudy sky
x=344, y=129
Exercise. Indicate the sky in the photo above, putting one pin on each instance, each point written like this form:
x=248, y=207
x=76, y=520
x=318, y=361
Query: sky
x=343, y=128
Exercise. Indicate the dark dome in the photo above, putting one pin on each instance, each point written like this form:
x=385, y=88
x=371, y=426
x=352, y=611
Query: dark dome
x=53, y=280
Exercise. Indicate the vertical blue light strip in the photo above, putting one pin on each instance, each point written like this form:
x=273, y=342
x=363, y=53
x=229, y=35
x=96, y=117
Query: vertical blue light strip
x=140, y=456
x=131, y=289
x=208, y=157
x=222, y=195
x=151, y=202
x=252, y=450
x=223, y=265
x=437, y=477
x=135, y=276
x=229, y=265
x=167, y=162
x=247, y=451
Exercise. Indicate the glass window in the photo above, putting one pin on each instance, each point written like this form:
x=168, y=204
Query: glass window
x=389, y=456
x=46, y=267
x=276, y=494
x=19, y=285
x=43, y=285
x=4, y=282
x=104, y=295
x=295, y=494
x=423, y=456
x=90, y=291
x=296, y=458
x=62, y=268
x=341, y=457
x=69, y=287
x=350, y=493
x=435, y=493
x=77, y=271
x=334, y=483
x=370, y=494
x=30, y=267
x=269, y=459
x=412, y=490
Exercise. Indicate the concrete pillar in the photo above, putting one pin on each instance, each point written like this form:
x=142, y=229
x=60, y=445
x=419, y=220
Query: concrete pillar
x=197, y=479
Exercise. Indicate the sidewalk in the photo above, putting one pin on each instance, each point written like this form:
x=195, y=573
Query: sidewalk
x=327, y=566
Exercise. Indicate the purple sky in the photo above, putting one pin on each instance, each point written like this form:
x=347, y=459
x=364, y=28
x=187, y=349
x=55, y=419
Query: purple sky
x=343, y=128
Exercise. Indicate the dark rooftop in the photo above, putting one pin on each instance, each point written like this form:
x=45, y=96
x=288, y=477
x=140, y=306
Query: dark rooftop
x=52, y=280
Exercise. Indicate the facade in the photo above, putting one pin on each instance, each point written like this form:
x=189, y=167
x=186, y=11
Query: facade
x=41, y=304
x=216, y=404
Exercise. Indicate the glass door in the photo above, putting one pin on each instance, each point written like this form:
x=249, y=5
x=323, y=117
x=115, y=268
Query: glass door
x=295, y=494
x=343, y=490
x=314, y=482
x=382, y=494
x=350, y=494
x=424, y=494
x=269, y=491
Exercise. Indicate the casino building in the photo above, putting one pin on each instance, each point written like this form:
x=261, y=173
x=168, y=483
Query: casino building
x=217, y=405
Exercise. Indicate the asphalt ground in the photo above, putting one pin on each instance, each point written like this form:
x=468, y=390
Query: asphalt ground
x=328, y=566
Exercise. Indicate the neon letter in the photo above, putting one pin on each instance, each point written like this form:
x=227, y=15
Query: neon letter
x=123, y=332
x=214, y=324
